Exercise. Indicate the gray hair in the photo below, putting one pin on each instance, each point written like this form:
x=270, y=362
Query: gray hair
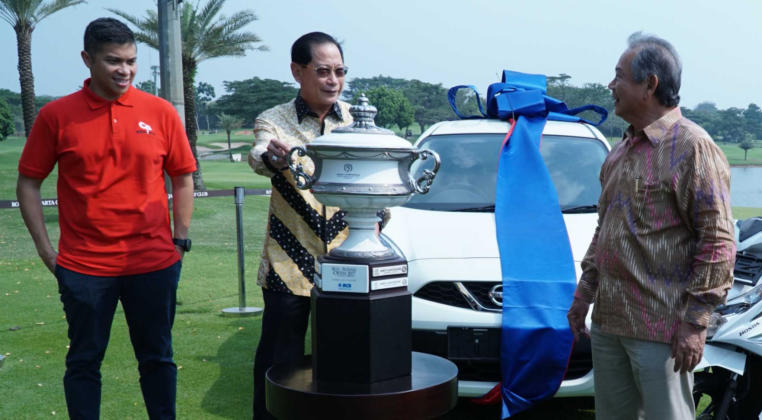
x=654, y=55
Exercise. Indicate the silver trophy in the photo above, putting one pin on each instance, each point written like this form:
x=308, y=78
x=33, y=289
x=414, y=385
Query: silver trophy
x=362, y=169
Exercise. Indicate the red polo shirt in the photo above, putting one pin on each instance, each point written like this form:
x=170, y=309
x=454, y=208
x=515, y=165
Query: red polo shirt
x=112, y=204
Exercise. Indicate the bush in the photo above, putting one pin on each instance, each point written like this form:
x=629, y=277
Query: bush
x=6, y=120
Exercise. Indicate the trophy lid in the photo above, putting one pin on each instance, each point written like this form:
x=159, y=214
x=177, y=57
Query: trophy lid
x=363, y=133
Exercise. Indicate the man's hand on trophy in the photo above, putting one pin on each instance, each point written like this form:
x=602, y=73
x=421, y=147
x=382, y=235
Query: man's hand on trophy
x=276, y=152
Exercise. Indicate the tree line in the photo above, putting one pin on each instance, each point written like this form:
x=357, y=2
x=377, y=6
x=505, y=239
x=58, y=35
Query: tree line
x=207, y=34
x=731, y=125
x=402, y=103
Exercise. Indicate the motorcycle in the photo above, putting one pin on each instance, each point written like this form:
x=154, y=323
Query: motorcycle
x=730, y=372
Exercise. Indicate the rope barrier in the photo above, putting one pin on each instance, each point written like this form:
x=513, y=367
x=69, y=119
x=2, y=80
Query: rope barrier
x=53, y=202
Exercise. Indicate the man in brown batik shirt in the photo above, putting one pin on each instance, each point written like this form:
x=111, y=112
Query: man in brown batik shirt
x=663, y=253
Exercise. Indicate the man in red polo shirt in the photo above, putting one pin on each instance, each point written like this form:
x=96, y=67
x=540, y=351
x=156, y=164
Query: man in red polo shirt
x=112, y=144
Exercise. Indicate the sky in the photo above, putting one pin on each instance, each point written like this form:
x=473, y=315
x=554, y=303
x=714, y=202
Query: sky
x=446, y=41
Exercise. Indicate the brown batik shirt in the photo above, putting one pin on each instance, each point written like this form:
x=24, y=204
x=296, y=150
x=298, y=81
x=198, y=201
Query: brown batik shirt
x=664, y=247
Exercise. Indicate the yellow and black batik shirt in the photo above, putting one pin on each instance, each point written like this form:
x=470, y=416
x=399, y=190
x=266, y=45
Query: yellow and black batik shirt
x=299, y=228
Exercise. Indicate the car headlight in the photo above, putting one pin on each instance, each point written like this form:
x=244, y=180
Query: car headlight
x=738, y=305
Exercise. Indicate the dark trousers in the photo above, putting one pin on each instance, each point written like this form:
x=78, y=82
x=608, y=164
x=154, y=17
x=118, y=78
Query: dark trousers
x=284, y=323
x=149, y=307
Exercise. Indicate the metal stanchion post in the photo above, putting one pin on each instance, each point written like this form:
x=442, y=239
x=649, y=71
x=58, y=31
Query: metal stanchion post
x=242, y=309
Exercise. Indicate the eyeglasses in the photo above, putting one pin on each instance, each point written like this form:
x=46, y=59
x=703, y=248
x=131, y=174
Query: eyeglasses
x=325, y=71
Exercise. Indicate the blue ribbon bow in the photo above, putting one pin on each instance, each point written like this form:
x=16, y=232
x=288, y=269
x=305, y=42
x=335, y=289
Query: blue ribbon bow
x=535, y=255
x=523, y=94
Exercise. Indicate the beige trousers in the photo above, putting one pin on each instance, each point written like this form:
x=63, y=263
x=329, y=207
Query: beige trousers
x=634, y=379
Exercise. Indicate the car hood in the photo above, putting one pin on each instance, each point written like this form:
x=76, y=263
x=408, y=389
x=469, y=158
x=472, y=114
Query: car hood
x=427, y=234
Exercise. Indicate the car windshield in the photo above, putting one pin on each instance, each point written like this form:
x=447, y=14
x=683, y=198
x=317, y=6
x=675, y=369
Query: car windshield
x=466, y=180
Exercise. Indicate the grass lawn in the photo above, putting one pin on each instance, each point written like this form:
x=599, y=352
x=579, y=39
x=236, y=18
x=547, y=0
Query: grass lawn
x=236, y=136
x=733, y=153
x=214, y=354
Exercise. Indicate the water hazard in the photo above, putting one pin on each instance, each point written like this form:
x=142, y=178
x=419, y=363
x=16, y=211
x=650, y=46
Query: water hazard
x=746, y=186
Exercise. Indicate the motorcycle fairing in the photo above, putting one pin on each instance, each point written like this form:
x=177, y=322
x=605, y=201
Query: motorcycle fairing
x=718, y=356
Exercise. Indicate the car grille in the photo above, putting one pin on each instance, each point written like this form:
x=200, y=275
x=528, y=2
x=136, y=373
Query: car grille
x=475, y=294
x=466, y=294
x=748, y=268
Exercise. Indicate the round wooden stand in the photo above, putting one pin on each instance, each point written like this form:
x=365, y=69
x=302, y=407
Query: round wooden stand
x=430, y=391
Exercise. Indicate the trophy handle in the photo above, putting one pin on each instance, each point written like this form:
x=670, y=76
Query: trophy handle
x=303, y=180
x=423, y=183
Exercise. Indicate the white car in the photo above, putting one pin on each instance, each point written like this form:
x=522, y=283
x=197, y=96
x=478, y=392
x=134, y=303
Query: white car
x=448, y=238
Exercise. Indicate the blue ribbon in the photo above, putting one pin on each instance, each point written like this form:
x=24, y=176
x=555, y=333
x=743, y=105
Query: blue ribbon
x=535, y=256
x=524, y=94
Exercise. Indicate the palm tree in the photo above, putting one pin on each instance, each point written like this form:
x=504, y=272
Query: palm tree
x=229, y=123
x=204, y=36
x=24, y=15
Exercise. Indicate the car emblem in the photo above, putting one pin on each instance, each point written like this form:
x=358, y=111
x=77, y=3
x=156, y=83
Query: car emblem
x=348, y=167
x=496, y=294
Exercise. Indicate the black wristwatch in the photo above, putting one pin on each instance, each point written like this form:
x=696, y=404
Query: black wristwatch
x=185, y=244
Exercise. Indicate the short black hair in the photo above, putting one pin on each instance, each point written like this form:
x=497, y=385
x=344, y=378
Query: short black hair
x=106, y=31
x=301, y=51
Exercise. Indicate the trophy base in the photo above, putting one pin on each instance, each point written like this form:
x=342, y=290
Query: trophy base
x=361, y=338
x=361, y=320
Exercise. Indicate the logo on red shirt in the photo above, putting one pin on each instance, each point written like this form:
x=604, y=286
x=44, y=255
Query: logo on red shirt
x=144, y=128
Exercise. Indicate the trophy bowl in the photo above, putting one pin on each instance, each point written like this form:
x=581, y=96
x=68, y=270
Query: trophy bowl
x=362, y=169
